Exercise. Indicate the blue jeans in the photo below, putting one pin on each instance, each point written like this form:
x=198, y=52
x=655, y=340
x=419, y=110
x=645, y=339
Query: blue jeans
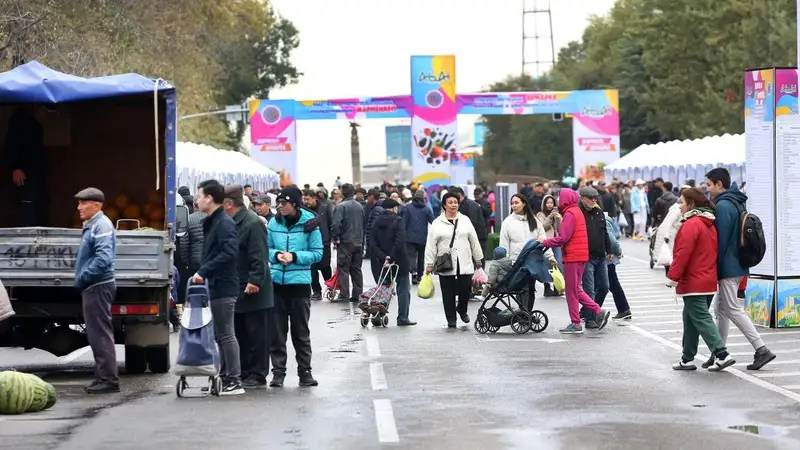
x=620, y=300
x=595, y=280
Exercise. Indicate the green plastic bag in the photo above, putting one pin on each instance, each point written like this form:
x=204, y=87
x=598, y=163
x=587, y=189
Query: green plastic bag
x=425, y=288
x=558, y=279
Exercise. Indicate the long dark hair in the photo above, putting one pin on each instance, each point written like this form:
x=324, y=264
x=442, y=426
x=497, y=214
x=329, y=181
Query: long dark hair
x=697, y=198
x=529, y=214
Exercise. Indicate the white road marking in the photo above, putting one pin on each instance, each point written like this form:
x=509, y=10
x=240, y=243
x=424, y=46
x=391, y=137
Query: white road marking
x=659, y=323
x=75, y=355
x=667, y=331
x=660, y=305
x=373, y=349
x=777, y=374
x=791, y=386
x=384, y=419
x=485, y=338
x=377, y=377
x=651, y=300
x=735, y=372
x=781, y=351
x=780, y=362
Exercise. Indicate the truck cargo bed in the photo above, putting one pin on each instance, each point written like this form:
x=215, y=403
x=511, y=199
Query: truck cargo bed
x=41, y=256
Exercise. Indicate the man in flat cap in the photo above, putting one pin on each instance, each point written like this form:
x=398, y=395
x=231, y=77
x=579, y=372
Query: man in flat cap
x=595, y=277
x=251, y=318
x=94, y=278
x=263, y=207
x=218, y=267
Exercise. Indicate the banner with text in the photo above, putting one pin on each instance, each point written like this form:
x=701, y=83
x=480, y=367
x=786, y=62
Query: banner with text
x=434, y=128
x=516, y=103
x=399, y=106
x=462, y=168
x=273, y=137
x=595, y=132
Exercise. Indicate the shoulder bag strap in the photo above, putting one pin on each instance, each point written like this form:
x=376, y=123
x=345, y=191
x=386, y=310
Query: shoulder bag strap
x=453, y=239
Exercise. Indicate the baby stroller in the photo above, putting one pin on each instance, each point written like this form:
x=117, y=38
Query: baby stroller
x=197, y=350
x=509, y=292
x=374, y=303
x=332, y=287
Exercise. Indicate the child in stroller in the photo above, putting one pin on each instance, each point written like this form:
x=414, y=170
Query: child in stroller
x=511, y=288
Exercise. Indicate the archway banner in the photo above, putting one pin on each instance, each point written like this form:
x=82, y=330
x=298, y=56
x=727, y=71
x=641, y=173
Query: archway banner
x=399, y=106
x=273, y=137
x=434, y=125
x=516, y=103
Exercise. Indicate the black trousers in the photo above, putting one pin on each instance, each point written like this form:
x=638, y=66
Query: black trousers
x=34, y=202
x=97, y=302
x=290, y=315
x=483, y=251
x=452, y=286
x=324, y=267
x=416, y=257
x=252, y=332
x=348, y=261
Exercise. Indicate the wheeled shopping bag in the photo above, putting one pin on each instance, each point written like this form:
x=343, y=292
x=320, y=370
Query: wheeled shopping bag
x=198, y=355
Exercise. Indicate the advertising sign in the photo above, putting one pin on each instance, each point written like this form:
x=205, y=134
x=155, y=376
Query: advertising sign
x=354, y=108
x=273, y=137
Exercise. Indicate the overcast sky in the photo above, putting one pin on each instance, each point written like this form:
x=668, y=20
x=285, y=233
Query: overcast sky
x=361, y=48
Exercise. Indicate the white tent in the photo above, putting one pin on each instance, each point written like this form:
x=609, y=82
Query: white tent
x=678, y=161
x=198, y=162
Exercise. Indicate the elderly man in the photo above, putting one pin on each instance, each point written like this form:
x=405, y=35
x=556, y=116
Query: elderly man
x=94, y=278
x=595, y=277
x=347, y=233
x=263, y=207
x=251, y=317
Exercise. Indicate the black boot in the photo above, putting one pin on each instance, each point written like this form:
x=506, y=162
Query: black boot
x=277, y=379
x=306, y=379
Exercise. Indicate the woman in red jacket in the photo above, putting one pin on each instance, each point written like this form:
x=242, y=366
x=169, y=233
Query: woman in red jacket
x=575, y=254
x=694, y=274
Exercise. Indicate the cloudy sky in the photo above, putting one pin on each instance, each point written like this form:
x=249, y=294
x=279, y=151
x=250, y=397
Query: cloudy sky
x=355, y=48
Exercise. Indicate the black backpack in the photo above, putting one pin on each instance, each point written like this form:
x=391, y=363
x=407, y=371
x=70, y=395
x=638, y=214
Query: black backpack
x=752, y=244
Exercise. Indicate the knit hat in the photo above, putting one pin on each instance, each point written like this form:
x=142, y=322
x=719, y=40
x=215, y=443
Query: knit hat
x=291, y=194
x=499, y=253
x=419, y=194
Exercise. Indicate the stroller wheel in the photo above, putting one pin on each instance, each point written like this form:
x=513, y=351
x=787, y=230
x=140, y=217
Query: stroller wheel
x=180, y=386
x=385, y=321
x=364, y=321
x=521, y=322
x=539, y=321
x=493, y=329
x=482, y=323
x=330, y=295
x=376, y=321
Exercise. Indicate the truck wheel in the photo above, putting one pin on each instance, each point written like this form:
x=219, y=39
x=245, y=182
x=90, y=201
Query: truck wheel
x=158, y=359
x=135, y=361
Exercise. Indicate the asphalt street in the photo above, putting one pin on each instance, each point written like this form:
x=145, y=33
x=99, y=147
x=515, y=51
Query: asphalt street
x=432, y=387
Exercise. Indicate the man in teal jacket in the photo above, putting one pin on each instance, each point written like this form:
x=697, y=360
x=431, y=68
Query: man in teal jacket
x=730, y=204
x=295, y=243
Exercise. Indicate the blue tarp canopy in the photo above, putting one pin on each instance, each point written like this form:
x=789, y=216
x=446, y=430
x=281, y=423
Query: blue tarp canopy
x=35, y=83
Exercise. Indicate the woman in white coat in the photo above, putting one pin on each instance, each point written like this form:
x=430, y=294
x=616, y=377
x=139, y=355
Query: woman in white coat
x=452, y=234
x=517, y=229
x=667, y=231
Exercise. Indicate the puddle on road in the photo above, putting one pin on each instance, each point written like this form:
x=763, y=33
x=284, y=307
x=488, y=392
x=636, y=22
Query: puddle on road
x=760, y=430
x=349, y=346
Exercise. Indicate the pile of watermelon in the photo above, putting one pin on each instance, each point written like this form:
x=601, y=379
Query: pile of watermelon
x=23, y=392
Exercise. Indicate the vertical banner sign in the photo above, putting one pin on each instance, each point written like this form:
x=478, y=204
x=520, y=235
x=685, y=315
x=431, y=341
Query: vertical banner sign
x=434, y=128
x=462, y=168
x=273, y=137
x=759, y=125
x=595, y=132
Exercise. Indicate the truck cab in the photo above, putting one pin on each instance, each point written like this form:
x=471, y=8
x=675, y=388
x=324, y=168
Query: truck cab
x=117, y=134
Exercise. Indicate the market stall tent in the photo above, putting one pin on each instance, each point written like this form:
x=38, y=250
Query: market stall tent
x=198, y=162
x=678, y=161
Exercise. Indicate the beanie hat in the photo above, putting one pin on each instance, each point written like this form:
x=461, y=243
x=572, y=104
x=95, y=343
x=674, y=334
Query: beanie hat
x=499, y=253
x=292, y=194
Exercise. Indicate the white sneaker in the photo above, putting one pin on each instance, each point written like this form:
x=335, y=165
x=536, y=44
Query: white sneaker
x=232, y=389
x=722, y=364
x=680, y=365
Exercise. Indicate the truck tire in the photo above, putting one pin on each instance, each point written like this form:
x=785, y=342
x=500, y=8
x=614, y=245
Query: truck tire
x=158, y=359
x=135, y=359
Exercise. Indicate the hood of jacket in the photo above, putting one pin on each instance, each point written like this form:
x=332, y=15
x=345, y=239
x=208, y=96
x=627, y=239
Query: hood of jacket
x=418, y=202
x=567, y=198
x=544, y=202
x=705, y=214
x=669, y=196
x=305, y=216
x=386, y=219
x=734, y=195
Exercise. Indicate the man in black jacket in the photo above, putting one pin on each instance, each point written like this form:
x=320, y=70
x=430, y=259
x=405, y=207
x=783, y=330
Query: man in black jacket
x=218, y=267
x=595, y=277
x=661, y=206
x=476, y=215
x=26, y=159
x=608, y=201
x=318, y=203
x=388, y=236
x=251, y=320
x=347, y=233
x=486, y=207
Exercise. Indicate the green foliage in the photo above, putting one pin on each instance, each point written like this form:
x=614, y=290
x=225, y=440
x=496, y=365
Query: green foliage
x=216, y=52
x=679, y=68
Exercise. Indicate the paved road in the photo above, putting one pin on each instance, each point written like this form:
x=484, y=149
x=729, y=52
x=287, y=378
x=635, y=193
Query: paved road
x=432, y=387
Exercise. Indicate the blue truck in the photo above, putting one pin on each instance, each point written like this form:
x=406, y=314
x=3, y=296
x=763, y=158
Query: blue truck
x=115, y=133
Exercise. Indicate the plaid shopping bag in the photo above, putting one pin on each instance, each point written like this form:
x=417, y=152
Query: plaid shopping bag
x=371, y=296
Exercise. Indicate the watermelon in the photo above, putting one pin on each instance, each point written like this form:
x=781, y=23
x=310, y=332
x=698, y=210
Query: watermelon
x=16, y=395
x=51, y=396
